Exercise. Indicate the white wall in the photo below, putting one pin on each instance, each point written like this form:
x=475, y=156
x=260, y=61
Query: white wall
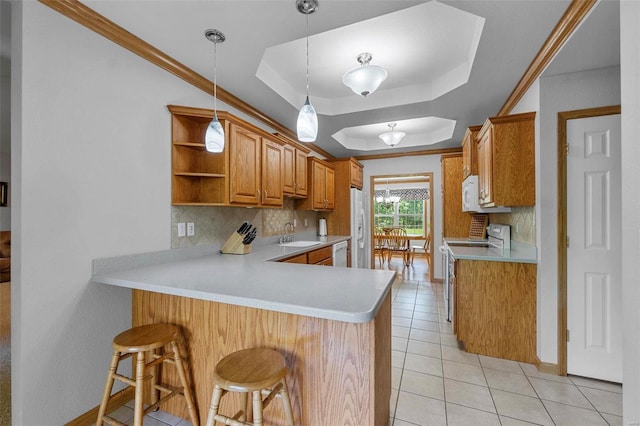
x=565, y=92
x=630, y=82
x=416, y=164
x=91, y=178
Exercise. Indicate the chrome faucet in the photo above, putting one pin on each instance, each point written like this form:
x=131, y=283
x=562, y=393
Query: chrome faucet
x=287, y=233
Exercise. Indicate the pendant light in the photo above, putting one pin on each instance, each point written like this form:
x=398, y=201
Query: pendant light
x=366, y=78
x=392, y=138
x=307, y=125
x=214, y=137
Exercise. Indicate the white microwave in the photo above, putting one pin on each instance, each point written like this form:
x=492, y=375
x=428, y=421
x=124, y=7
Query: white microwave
x=470, y=198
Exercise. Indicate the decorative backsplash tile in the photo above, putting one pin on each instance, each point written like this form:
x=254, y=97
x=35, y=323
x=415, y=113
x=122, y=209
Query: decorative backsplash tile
x=522, y=221
x=213, y=225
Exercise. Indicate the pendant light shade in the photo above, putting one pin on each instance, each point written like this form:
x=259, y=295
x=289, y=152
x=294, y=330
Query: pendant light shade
x=214, y=137
x=366, y=78
x=307, y=123
x=392, y=138
x=307, y=126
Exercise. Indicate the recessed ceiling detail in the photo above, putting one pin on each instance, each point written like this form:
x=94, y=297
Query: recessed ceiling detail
x=420, y=131
x=427, y=49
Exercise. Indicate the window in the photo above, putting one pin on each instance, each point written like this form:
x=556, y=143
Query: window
x=408, y=214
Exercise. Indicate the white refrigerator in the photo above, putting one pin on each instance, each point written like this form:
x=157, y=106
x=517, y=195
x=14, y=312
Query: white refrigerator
x=359, y=229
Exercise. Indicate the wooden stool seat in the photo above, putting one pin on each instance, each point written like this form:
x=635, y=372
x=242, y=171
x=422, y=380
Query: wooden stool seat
x=252, y=371
x=145, y=343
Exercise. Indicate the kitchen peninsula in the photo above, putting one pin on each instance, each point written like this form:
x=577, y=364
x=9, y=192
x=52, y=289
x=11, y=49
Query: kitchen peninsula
x=332, y=324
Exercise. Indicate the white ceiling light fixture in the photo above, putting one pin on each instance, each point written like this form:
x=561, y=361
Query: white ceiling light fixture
x=307, y=125
x=214, y=137
x=365, y=79
x=392, y=137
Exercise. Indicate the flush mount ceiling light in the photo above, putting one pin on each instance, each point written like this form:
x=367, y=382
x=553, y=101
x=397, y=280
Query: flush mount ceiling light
x=365, y=79
x=392, y=138
x=307, y=119
x=214, y=137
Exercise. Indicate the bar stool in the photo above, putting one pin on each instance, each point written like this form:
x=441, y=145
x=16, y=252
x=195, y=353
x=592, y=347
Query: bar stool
x=250, y=370
x=139, y=341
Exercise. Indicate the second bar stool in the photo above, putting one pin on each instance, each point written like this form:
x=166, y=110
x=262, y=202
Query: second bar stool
x=257, y=371
x=139, y=341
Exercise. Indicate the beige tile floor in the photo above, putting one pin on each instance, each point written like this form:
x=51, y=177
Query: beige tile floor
x=435, y=383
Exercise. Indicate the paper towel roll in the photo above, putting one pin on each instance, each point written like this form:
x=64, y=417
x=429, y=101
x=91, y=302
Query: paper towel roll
x=322, y=228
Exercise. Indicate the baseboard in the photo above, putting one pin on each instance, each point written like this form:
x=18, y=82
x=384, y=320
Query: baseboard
x=117, y=401
x=547, y=367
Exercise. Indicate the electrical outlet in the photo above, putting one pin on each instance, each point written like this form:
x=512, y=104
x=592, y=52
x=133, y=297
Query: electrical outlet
x=305, y=223
x=191, y=229
x=295, y=222
x=517, y=227
x=182, y=229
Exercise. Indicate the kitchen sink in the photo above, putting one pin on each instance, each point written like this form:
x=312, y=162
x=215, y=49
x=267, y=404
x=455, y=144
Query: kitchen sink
x=300, y=244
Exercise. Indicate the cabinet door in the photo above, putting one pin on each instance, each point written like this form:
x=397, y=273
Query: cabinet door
x=319, y=186
x=355, y=172
x=485, y=169
x=455, y=222
x=466, y=156
x=272, y=172
x=244, y=158
x=301, y=187
x=289, y=176
x=330, y=190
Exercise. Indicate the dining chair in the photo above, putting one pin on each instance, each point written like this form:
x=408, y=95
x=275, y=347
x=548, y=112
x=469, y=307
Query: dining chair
x=426, y=249
x=398, y=242
x=379, y=244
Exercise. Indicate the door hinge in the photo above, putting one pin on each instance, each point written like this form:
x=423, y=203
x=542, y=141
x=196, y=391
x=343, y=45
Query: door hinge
x=566, y=150
x=568, y=339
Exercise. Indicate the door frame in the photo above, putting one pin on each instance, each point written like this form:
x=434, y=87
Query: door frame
x=372, y=179
x=563, y=117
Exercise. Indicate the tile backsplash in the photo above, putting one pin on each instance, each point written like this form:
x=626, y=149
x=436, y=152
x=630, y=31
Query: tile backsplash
x=522, y=221
x=213, y=225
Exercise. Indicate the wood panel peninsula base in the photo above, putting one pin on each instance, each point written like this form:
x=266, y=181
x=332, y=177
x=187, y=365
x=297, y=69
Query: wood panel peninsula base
x=495, y=309
x=340, y=372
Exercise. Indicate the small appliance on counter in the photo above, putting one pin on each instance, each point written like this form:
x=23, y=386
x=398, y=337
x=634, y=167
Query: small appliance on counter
x=240, y=241
x=499, y=236
x=322, y=227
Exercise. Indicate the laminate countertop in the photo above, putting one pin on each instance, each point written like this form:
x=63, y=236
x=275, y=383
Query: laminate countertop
x=254, y=280
x=519, y=253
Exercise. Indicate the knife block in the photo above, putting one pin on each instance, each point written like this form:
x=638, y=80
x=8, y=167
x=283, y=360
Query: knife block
x=234, y=245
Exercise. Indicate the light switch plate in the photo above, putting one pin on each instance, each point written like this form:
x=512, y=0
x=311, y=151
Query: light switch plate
x=182, y=229
x=191, y=229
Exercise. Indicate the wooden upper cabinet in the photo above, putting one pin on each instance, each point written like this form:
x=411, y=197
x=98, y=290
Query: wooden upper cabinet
x=272, y=172
x=455, y=222
x=469, y=152
x=301, y=186
x=321, y=180
x=289, y=175
x=506, y=161
x=356, y=174
x=249, y=172
x=295, y=170
x=245, y=149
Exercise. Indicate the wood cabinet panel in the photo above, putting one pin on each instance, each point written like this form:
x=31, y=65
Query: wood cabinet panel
x=301, y=186
x=506, y=152
x=339, y=372
x=321, y=178
x=496, y=308
x=289, y=175
x=272, y=171
x=469, y=152
x=245, y=154
x=455, y=222
x=320, y=255
x=348, y=174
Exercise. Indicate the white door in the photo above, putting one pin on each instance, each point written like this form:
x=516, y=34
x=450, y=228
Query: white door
x=594, y=287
